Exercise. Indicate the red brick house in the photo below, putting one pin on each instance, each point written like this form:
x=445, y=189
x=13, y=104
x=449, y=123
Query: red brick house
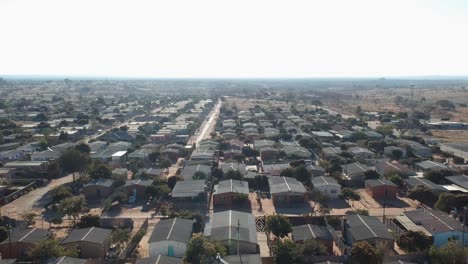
x=98, y=189
x=381, y=189
x=226, y=192
x=137, y=187
x=21, y=242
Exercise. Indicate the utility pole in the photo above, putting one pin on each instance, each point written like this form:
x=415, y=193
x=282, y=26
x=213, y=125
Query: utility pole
x=238, y=236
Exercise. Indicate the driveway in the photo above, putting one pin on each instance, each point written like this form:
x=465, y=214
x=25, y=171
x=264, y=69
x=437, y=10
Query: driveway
x=33, y=201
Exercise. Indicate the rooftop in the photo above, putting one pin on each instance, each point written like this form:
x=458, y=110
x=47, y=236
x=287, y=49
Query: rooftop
x=175, y=229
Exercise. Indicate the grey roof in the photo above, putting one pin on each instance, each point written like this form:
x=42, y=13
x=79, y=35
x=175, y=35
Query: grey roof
x=229, y=186
x=190, y=170
x=459, y=180
x=416, y=181
x=175, y=229
x=225, y=167
x=154, y=171
x=304, y=232
x=140, y=153
x=285, y=185
x=434, y=221
x=138, y=182
x=30, y=235
x=67, y=260
x=92, y=234
x=364, y=227
x=355, y=167
x=243, y=259
x=223, y=226
x=379, y=182
x=100, y=182
x=322, y=181
x=429, y=164
x=160, y=259
x=191, y=188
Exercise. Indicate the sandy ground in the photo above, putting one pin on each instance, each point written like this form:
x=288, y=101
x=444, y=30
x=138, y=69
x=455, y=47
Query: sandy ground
x=451, y=135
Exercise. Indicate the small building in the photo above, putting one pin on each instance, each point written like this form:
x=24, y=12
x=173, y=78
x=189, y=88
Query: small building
x=327, y=186
x=387, y=168
x=320, y=233
x=98, y=189
x=367, y=228
x=388, y=151
x=458, y=149
x=268, y=153
x=160, y=259
x=92, y=242
x=428, y=165
x=355, y=171
x=381, y=189
x=235, y=166
x=137, y=188
x=21, y=242
x=315, y=170
x=243, y=259
x=460, y=180
x=233, y=228
x=361, y=153
x=189, y=171
x=170, y=237
x=286, y=190
x=275, y=169
x=189, y=190
x=231, y=153
x=226, y=192
x=413, y=182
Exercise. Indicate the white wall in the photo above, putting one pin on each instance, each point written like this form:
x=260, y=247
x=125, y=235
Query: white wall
x=161, y=247
x=327, y=190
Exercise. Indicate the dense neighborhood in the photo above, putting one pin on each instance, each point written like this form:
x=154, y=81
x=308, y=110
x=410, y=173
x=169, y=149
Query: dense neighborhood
x=169, y=172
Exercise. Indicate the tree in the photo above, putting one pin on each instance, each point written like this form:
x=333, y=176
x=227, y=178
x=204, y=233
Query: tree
x=41, y=117
x=396, y=179
x=46, y=249
x=89, y=220
x=312, y=247
x=233, y=174
x=119, y=237
x=423, y=194
x=446, y=104
x=73, y=161
x=60, y=192
x=3, y=233
x=348, y=194
x=171, y=181
x=72, y=206
x=286, y=251
x=438, y=176
x=397, y=154
x=302, y=174
x=414, y=241
x=449, y=201
x=452, y=253
x=386, y=130
x=201, y=250
x=100, y=171
x=154, y=156
x=358, y=110
x=199, y=175
x=165, y=163
x=371, y=174
x=365, y=253
x=83, y=148
x=279, y=225
x=29, y=218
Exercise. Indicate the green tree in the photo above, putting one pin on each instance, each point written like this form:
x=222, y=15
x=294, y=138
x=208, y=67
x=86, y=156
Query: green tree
x=47, y=249
x=286, y=251
x=72, y=206
x=312, y=247
x=452, y=253
x=397, y=180
x=29, y=218
x=165, y=163
x=397, y=154
x=348, y=194
x=83, y=148
x=100, y=170
x=73, y=161
x=233, y=174
x=423, y=195
x=199, y=175
x=302, y=174
x=371, y=174
x=386, y=130
x=120, y=237
x=154, y=156
x=364, y=253
x=3, y=233
x=438, y=176
x=89, y=220
x=279, y=225
x=60, y=192
x=201, y=250
x=171, y=181
x=414, y=241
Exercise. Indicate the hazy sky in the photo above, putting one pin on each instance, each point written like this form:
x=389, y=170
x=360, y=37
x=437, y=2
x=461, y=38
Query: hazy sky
x=239, y=38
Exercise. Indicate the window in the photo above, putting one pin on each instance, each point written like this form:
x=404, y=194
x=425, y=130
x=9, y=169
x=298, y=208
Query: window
x=333, y=191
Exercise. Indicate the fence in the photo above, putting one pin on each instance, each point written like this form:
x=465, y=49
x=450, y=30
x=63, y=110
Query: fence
x=15, y=195
x=133, y=243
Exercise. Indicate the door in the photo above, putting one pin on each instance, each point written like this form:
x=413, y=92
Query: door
x=170, y=251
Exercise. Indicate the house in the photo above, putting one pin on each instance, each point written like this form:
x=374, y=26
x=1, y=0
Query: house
x=92, y=242
x=22, y=241
x=153, y=172
x=268, y=153
x=189, y=171
x=413, y=182
x=98, y=189
x=67, y=260
x=233, y=228
x=160, y=259
x=137, y=188
x=331, y=152
x=171, y=154
x=355, y=171
x=388, y=151
x=296, y=152
x=315, y=170
x=327, y=186
x=5, y=173
x=226, y=192
x=240, y=167
x=458, y=149
x=140, y=154
x=361, y=153
x=231, y=153
x=14, y=154
x=170, y=237
x=243, y=259
x=189, y=190
x=381, y=189
x=286, y=190
x=428, y=165
x=442, y=227
x=367, y=228
x=320, y=233
x=275, y=169
x=388, y=168
x=235, y=144
x=202, y=155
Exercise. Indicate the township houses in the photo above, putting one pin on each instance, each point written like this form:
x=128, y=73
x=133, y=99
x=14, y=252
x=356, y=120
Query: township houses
x=296, y=152
x=92, y=242
x=231, y=153
x=429, y=165
x=327, y=186
x=275, y=169
x=329, y=153
x=460, y=181
x=159, y=259
x=389, y=150
x=189, y=171
x=240, y=167
x=21, y=242
x=189, y=190
x=320, y=233
x=170, y=237
x=413, y=182
x=26, y=171
x=416, y=148
x=385, y=168
x=202, y=155
x=361, y=153
x=355, y=171
x=286, y=191
x=381, y=189
x=98, y=189
x=457, y=149
x=140, y=154
x=136, y=188
x=233, y=228
x=367, y=228
x=315, y=170
x=442, y=227
x=235, y=144
x=171, y=154
x=226, y=192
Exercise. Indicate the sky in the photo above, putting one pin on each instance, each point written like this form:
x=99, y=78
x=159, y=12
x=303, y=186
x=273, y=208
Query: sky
x=239, y=38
